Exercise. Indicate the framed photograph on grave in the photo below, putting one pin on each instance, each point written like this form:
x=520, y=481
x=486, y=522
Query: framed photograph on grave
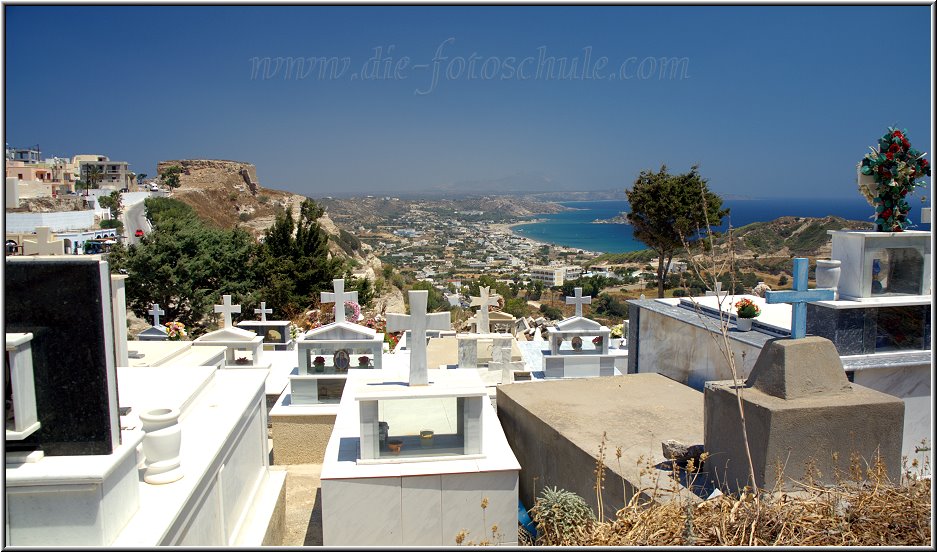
x=341, y=360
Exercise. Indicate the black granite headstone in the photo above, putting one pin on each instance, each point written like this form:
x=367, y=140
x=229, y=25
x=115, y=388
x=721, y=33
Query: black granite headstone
x=66, y=304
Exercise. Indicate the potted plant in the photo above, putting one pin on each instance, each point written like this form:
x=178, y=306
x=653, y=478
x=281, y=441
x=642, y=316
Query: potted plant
x=364, y=361
x=617, y=334
x=597, y=341
x=745, y=311
x=319, y=364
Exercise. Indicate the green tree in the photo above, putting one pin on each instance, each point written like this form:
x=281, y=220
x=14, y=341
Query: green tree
x=113, y=203
x=668, y=210
x=516, y=306
x=551, y=312
x=293, y=265
x=170, y=177
x=185, y=265
x=608, y=305
x=140, y=178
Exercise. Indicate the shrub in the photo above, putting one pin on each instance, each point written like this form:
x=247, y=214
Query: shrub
x=551, y=312
x=244, y=217
x=562, y=517
x=782, y=281
x=113, y=223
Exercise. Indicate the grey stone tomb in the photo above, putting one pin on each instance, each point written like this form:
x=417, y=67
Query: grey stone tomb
x=799, y=408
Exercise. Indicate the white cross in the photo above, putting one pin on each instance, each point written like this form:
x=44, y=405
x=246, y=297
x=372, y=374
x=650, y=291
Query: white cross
x=481, y=318
x=156, y=312
x=578, y=300
x=263, y=311
x=44, y=244
x=339, y=296
x=227, y=308
x=418, y=322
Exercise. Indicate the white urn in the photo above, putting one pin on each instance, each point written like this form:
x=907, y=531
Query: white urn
x=161, y=445
x=828, y=272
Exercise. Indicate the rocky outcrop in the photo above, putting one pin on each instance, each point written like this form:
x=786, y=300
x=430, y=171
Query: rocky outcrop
x=206, y=174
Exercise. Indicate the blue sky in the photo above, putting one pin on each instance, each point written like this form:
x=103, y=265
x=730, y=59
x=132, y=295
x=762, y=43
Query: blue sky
x=767, y=100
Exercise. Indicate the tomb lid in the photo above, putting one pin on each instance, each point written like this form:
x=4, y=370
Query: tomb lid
x=574, y=323
x=341, y=330
x=797, y=368
x=400, y=390
x=228, y=334
x=154, y=331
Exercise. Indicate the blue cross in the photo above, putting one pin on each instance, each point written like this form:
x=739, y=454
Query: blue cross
x=798, y=298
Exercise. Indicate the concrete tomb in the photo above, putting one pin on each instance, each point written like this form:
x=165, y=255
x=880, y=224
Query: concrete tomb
x=423, y=458
x=304, y=414
x=800, y=409
x=498, y=322
x=883, y=342
x=244, y=348
x=78, y=479
x=557, y=426
x=276, y=333
x=156, y=332
x=579, y=346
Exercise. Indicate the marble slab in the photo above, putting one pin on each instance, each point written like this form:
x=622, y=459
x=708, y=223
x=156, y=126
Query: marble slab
x=74, y=354
x=156, y=353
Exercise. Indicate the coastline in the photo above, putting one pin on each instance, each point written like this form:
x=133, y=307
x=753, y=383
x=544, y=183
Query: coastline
x=510, y=228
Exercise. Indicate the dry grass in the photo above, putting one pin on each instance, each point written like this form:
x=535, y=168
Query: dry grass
x=862, y=509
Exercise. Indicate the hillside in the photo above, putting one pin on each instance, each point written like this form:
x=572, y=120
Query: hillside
x=228, y=193
x=780, y=238
x=786, y=236
x=373, y=211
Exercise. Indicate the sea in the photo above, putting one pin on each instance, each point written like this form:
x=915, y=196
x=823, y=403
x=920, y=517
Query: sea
x=574, y=228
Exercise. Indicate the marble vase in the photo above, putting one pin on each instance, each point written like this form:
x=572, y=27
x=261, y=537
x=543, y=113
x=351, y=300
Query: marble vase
x=161, y=445
x=828, y=272
x=744, y=324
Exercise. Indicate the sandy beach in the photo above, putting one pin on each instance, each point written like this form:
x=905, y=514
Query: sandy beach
x=508, y=228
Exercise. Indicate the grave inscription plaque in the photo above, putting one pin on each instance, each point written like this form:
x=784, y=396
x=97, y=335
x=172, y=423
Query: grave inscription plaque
x=65, y=303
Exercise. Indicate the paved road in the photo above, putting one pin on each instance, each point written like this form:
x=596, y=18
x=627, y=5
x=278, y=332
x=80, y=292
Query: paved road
x=134, y=217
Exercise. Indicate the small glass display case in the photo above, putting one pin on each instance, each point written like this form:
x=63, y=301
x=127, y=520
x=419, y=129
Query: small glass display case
x=882, y=264
x=404, y=424
x=579, y=336
x=337, y=347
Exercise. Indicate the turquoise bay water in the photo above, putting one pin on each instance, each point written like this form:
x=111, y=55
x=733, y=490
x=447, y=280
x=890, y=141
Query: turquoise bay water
x=573, y=228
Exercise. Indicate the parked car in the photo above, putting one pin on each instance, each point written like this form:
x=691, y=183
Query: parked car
x=154, y=188
x=138, y=233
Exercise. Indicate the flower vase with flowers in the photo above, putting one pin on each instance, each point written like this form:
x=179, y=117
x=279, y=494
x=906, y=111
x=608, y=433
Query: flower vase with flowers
x=318, y=364
x=176, y=331
x=887, y=175
x=745, y=311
